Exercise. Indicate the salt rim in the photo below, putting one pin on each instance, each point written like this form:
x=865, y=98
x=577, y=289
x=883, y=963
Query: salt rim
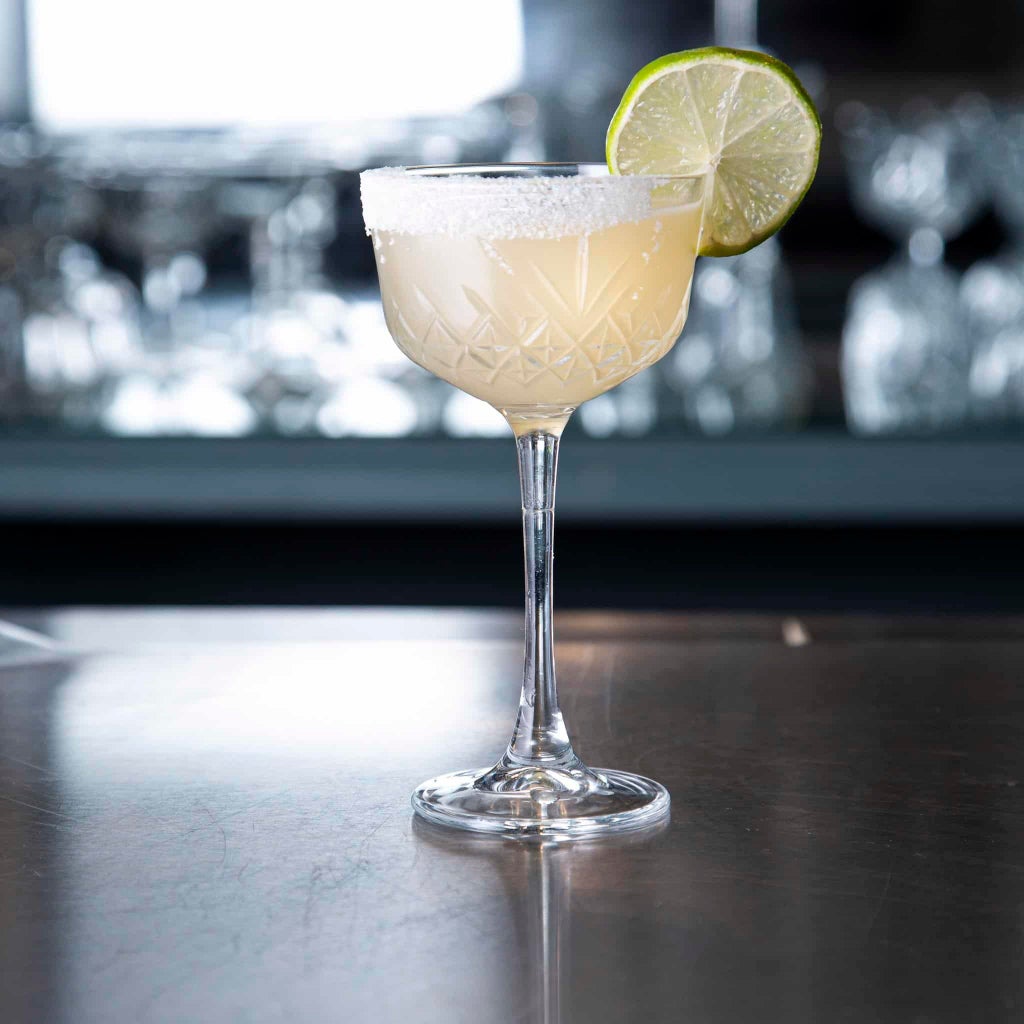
x=501, y=207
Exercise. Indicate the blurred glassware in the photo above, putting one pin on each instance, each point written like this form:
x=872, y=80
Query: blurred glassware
x=997, y=377
x=157, y=209
x=367, y=406
x=80, y=329
x=182, y=353
x=158, y=192
x=992, y=290
x=11, y=364
x=992, y=294
x=216, y=361
x=1000, y=151
x=631, y=410
x=913, y=175
x=906, y=354
x=525, y=122
x=65, y=321
x=740, y=363
x=466, y=416
x=906, y=346
x=292, y=334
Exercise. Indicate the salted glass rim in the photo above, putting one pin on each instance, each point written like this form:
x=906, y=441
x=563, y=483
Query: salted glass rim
x=517, y=200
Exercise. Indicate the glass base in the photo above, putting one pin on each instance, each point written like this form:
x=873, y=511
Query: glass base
x=564, y=801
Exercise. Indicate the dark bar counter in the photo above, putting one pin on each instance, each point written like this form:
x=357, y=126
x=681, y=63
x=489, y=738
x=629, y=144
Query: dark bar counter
x=204, y=817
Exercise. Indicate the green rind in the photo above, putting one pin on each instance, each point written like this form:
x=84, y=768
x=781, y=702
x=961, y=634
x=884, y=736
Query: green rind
x=754, y=57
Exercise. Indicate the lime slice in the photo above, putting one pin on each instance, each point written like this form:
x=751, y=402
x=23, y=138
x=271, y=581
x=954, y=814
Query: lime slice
x=742, y=117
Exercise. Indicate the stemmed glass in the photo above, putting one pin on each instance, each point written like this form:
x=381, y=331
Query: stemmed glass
x=992, y=289
x=535, y=287
x=906, y=351
x=741, y=365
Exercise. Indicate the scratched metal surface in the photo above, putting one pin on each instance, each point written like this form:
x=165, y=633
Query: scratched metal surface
x=203, y=817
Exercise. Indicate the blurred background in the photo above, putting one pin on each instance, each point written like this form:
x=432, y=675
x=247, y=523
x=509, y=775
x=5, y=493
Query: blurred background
x=199, y=400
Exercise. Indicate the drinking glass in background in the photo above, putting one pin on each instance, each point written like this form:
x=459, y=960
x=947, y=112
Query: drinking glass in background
x=992, y=290
x=64, y=318
x=322, y=358
x=122, y=315
x=270, y=338
x=291, y=330
x=906, y=348
x=82, y=347
x=283, y=344
x=741, y=363
x=158, y=198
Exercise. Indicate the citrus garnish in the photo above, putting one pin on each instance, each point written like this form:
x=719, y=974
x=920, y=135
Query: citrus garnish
x=740, y=116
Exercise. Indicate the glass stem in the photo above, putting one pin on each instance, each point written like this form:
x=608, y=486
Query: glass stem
x=540, y=736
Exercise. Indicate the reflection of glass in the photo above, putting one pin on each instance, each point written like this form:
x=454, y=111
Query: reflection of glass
x=554, y=978
x=538, y=880
x=535, y=287
x=906, y=350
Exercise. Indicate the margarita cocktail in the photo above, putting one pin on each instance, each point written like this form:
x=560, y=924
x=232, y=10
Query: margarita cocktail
x=537, y=287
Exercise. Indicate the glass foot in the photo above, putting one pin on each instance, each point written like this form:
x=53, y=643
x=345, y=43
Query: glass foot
x=566, y=801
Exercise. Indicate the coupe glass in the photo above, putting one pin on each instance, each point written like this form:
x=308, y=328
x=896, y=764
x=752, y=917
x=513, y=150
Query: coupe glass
x=535, y=287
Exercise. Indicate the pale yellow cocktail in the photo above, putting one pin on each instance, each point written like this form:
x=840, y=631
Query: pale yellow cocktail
x=539, y=286
x=538, y=293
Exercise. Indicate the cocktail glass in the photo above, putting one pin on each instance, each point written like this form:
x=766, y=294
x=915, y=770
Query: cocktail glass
x=535, y=287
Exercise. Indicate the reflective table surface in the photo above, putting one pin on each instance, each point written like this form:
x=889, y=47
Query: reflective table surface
x=204, y=817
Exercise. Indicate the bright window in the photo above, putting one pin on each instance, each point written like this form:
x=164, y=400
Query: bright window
x=209, y=63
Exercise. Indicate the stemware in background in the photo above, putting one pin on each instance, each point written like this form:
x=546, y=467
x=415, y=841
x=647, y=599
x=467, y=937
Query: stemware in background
x=67, y=323
x=740, y=365
x=906, y=349
x=319, y=364
x=290, y=329
x=21, y=245
x=285, y=351
x=81, y=333
x=992, y=290
x=157, y=192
